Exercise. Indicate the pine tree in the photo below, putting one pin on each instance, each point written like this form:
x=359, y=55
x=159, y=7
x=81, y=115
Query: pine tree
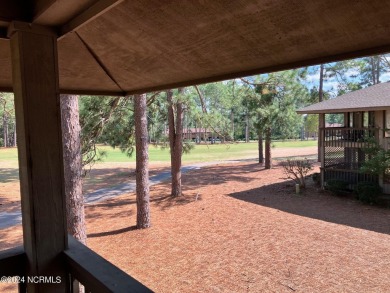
x=73, y=166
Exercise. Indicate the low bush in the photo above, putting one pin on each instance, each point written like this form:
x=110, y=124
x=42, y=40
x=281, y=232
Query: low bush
x=317, y=178
x=297, y=170
x=368, y=192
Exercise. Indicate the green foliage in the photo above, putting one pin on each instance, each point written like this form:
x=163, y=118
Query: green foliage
x=7, y=118
x=214, y=105
x=272, y=100
x=188, y=146
x=105, y=120
x=368, y=192
x=378, y=159
x=335, y=118
x=314, y=95
x=371, y=69
x=311, y=123
x=337, y=186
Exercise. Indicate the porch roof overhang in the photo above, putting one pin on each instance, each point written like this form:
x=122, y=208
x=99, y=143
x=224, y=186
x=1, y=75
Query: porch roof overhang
x=120, y=47
x=373, y=98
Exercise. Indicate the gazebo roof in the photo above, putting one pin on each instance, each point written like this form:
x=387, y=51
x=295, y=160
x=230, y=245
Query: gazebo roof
x=124, y=47
x=376, y=97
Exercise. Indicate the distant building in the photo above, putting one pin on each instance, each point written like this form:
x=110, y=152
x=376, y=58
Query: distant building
x=366, y=113
x=198, y=134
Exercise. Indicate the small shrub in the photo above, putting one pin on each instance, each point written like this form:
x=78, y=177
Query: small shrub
x=368, y=192
x=297, y=170
x=317, y=178
x=337, y=186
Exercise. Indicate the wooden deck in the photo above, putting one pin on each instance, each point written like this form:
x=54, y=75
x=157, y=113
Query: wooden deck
x=83, y=266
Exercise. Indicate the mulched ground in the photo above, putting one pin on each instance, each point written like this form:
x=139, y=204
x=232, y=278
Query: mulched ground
x=233, y=231
x=240, y=228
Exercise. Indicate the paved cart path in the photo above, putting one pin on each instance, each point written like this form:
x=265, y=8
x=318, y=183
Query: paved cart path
x=9, y=219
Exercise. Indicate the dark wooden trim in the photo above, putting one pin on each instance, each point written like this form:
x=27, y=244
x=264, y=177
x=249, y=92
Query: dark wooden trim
x=345, y=170
x=30, y=28
x=13, y=262
x=350, y=128
x=16, y=10
x=96, y=273
x=3, y=33
x=340, y=111
x=76, y=92
x=88, y=15
x=92, y=93
x=6, y=89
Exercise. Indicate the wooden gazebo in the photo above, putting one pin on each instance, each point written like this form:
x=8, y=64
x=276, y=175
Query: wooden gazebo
x=123, y=47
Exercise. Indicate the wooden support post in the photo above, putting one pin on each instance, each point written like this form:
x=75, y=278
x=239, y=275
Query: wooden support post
x=321, y=146
x=35, y=82
x=380, y=121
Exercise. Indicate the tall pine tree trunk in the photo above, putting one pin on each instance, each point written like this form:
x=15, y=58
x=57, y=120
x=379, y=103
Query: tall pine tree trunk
x=175, y=121
x=142, y=162
x=73, y=167
x=232, y=122
x=5, y=129
x=247, y=126
x=375, y=69
x=14, y=133
x=268, y=158
x=261, y=156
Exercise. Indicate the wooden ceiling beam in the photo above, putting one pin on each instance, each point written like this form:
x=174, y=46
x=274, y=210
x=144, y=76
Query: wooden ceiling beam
x=6, y=89
x=88, y=15
x=91, y=93
x=76, y=92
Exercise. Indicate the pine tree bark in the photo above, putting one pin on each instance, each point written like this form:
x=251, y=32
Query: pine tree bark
x=260, y=141
x=5, y=129
x=268, y=158
x=247, y=127
x=14, y=133
x=175, y=121
x=73, y=167
x=232, y=122
x=142, y=162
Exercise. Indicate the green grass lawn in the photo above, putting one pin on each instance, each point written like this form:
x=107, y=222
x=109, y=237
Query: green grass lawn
x=8, y=154
x=200, y=153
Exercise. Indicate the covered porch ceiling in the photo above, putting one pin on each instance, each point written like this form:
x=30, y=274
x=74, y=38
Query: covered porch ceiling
x=123, y=47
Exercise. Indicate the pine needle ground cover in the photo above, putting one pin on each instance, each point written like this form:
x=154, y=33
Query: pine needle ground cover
x=240, y=228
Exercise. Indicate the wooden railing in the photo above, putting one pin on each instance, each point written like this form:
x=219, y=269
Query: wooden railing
x=338, y=134
x=350, y=176
x=95, y=273
x=13, y=263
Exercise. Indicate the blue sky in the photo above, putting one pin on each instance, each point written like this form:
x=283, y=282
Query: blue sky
x=332, y=83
